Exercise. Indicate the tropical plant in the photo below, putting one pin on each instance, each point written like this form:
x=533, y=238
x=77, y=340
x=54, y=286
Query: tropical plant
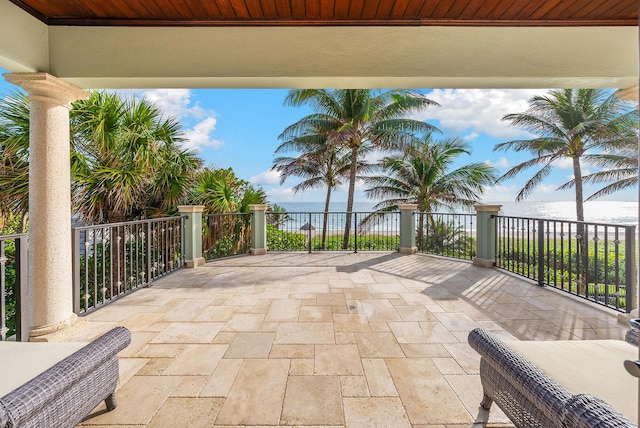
x=277, y=216
x=14, y=159
x=127, y=161
x=220, y=191
x=422, y=174
x=357, y=118
x=570, y=123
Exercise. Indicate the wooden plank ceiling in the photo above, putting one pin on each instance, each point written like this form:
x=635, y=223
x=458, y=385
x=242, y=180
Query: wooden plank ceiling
x=334, y=12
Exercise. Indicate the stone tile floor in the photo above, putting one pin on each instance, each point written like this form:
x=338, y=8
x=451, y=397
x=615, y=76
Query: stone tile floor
x=325, y=339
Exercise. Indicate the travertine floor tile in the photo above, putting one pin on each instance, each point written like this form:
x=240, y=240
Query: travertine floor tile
x=305, y=333
x=257, y=394
x=378, y=378
x=196, y=360
x=337, y=360
x=187, y=412
x=378, y=345
x=220, y=382
x=244, y=322
x=135, y=404
x=375, y=412
x=250, y=345
x=386, y=334
x=184, y=332
x=426, y=395
x=312, y=400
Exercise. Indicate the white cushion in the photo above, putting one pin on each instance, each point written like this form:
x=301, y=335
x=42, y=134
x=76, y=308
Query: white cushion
x=588, y=367
x=22, y=361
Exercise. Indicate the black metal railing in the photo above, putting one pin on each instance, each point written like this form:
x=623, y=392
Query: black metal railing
x=325, y=231
x=13, y=284
x=446, y=234
x=225, y=235
x=594, y=261
x=112, y=260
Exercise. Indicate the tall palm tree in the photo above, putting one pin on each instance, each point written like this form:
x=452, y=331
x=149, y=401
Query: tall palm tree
x=422, y=174
x=360, y=117
x=569, y=123
x=320, y=163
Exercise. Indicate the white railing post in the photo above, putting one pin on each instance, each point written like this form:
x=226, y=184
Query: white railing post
x=258, y=229
x=407, y=229
x=486, y=234
x=192, y=235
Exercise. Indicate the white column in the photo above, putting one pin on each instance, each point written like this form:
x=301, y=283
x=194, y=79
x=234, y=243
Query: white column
x=50, y=250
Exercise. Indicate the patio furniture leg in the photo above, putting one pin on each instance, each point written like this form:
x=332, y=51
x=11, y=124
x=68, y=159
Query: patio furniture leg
x=111, y=402
x=486, y=402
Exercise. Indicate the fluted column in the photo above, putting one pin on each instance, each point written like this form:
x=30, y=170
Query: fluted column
x=50, y=250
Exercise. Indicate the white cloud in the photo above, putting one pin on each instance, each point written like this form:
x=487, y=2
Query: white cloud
x=470, y=137
x=503, y=163
x=479, y=110
x=200, y=135
x=175, y=102
x=269, y=177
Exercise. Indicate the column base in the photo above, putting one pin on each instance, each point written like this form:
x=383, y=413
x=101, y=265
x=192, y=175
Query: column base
x=258, y=251
x=408, y=250
x=57, y=332
x=625, y=318
x=195, y=262
x=483, y=262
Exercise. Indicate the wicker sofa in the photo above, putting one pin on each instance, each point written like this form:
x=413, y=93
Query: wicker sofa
x=65, y=393
x=531, y=398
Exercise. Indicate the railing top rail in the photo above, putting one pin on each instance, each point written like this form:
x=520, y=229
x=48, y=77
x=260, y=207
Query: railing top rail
x=225, y=214
x=13, y=236
x=334, y=212
x=445, y=213
x=553, y=220
x=128, y=223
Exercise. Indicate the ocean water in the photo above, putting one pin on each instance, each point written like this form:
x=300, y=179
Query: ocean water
x=611, y=212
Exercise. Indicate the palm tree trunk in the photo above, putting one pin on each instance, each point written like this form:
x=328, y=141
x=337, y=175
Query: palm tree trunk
x=582, y=241
x=352, y=187
x=326, y=218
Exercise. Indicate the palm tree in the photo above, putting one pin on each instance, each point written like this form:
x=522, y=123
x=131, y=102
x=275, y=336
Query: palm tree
x=127, y=161
x=620, y=170
x=423, y=175
x=354, y=118
x=321, y=164
x=569, y=123
x=14, y=151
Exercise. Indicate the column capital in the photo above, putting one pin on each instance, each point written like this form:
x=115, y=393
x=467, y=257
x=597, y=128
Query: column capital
x=190, y=208
x=410, y=207
x=258, y=207
x=487, y=207
x=47, y=88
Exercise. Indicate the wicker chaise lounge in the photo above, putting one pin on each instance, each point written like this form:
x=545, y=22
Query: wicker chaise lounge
x=531, y=398
x=66, y=392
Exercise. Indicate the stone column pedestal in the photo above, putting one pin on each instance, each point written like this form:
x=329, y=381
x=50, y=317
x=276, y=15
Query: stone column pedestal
x=486, y=234
x=258, y=229
x=192, y=235
x=407, y=229
x=50, y=249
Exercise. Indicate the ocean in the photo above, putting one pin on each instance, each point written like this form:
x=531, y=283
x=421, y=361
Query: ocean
x=610, y=212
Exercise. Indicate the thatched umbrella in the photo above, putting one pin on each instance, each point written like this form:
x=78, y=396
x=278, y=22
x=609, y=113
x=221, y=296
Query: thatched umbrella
x=307, y=226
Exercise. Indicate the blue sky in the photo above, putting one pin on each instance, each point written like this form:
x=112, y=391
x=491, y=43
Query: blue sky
x=239, y=128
